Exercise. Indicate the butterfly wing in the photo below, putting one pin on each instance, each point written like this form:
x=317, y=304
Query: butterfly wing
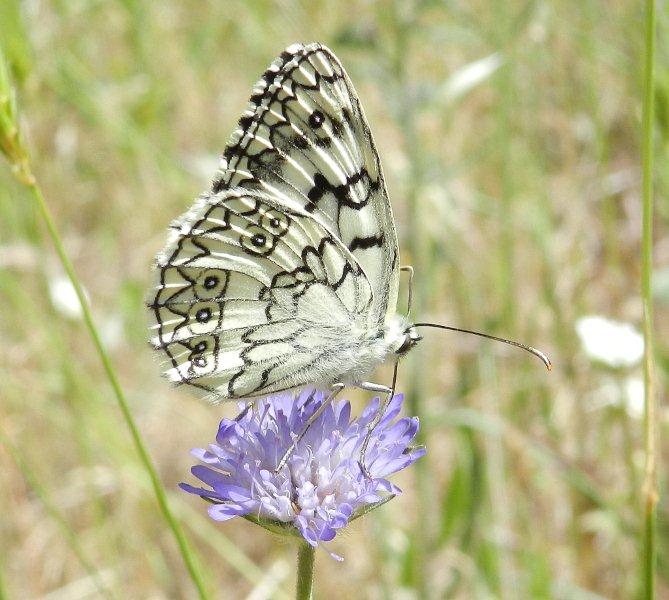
x=254, y=298
x=305, y=140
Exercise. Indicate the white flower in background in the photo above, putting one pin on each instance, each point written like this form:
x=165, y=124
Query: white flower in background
x=64, y=298
x=111, y=330
x=623, y=393
x=634, y=397
x=612, y=342
x=469, y=76
x=66, y=141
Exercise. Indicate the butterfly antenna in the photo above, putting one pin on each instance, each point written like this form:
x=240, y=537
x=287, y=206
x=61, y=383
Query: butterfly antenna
x=538, y=353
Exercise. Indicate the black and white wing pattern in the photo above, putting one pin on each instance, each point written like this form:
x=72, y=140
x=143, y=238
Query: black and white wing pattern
x=286, y=272
x=253, y=298
x=304, y=138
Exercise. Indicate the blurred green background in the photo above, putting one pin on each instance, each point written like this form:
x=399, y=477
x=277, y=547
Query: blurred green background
x=509, y=134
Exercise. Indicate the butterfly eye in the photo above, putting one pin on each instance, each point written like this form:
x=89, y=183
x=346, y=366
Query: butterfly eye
x=211, y=284
x=258, y=241
x=275, y=222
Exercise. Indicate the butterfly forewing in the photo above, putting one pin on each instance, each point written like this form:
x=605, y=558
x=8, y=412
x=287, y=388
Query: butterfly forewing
x=305, y=139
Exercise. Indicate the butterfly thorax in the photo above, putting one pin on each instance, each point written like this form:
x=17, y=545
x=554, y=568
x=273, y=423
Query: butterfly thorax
x=370, y=348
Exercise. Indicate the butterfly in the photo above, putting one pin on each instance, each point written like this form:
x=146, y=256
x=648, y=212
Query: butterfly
x=285, y=273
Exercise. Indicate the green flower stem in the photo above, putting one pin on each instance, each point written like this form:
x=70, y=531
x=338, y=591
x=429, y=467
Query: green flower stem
x=650, y=491
x=145, y=459
x=305, y=571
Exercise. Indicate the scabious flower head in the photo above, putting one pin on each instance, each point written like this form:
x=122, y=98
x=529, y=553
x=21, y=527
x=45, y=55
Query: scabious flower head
x=322, y=486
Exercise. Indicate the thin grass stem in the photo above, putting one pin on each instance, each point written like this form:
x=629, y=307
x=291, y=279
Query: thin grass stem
x=650, y=490
x=144, y=457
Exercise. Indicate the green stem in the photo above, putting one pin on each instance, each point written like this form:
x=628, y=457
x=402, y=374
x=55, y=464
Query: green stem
x=118, y=392
x=650, y=491
x=305, y=571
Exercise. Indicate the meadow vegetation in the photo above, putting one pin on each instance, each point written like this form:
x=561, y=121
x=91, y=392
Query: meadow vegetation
x=510, y=137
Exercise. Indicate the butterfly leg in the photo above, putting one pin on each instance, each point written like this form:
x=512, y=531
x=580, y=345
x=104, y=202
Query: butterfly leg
x=389, y=392
x=335, y=389
x=242, y=414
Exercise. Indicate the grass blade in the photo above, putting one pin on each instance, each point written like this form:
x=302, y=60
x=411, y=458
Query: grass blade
x=650, y=490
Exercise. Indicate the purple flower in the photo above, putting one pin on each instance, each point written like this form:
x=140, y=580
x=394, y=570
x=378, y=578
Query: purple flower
x=322, y=486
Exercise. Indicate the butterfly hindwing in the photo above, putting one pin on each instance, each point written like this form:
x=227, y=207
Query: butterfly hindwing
x=305, y=140
x=253, y=298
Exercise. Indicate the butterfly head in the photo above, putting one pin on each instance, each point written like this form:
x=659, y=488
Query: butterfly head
x=411, y=338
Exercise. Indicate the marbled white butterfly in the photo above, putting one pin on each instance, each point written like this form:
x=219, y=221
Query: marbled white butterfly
x=286, y=273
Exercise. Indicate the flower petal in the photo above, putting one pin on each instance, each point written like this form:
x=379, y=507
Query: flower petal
x=227, y=511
